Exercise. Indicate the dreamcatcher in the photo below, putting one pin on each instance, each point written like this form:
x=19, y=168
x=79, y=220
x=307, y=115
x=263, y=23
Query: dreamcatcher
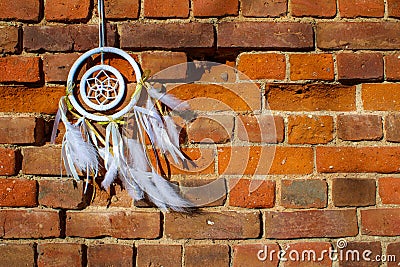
x=124, y=154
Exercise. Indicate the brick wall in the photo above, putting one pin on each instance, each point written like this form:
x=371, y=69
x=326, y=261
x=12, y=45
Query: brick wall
x=304, y=140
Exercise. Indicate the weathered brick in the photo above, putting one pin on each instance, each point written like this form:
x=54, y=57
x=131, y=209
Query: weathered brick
x=311, y=67
x=214, y=225
x=393, y=8
x=363, y=66
x=64, y=38
x=391, y=71
x=251, y=193
x=56, y=66
x=121, y=9
x=167, y=35
x=380, y=222
x=296, y=97
x=358, y=159
x=215, y=8
x=393, y=254
x=204, y=192
x=262, y=8
x=69, y=11
x=247, y=255
x=18, y=193
x=361, y=8
x=20, y=69
x=44, y=160
x=358, y=35
x=389, y=190
x=384, y=97
x=159, y=255
x=17, y=254
x=8, y=161
x=163, y=64
x=206, y=255
x=28, y=99
x=59, y=254
x=263, y=128
x=310, y=129
x=21, y=130
x=211, y=129
x=309, y=8
x=344, y=193
x=264, y=160
x=262, y=66
x=32, y=223
x=116, y=196
x=355, y=254
x=359, y=127
x=66, y=194
x=9, y=42
x=166, y=9
x=219, y=97
x=306, y=254
x=304, y=193
x=110, y=255
x=336, y=223
x=118, y=224
x=266, y=35
x=27, y=10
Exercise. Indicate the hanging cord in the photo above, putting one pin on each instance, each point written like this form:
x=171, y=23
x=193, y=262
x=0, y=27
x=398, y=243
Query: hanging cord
x=102, y=28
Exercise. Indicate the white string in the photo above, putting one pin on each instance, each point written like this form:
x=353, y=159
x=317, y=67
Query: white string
x=101, y=27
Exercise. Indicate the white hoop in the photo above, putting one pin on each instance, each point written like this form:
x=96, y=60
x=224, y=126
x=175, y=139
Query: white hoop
x=74, y=69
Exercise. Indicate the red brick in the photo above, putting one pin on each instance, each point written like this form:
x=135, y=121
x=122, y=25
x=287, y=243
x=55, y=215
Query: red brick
x=21, y=130
x=310, y=129
x=385, y=97
x=167, y=35
x=64, y=38
x=211, y=129
x=266, y=35
x=309, y=8
x=20, y=69
x=215, y=8
x=393, y=254
x=389, y=190
x=159, y=255
x=251, y=193
x=391, y=71
x=358, y=159
x=214, y=225
x=9, y=42
x=59, y=254
x=380, y=222
x=359, y=127
x=361, y=254
x=27, y=10
x=17, y=254
x=121, y=9
x=69, y=11
x=263, y=128
x=118, y=224
x=8, y=161
x=219, y=97
x=247, y=255
x=206, y=255
x=262, y=8
x=306, y=254
x=262, y=66
x=393, y=8
x=311, y=67
x=363, y=66
x=263, y=160
x=110, y=255
x=18, y=193
x=65, y=194
x=165, y=65
x=166, y=9
x=361, y=8
x=336, y=223
x=314, y=97
x=32, y=223
x=27, y=99
x=358, y=35
x=56, y=66
x=304, y=194
x=44, y=160
x=204, y=192
x=344, y=195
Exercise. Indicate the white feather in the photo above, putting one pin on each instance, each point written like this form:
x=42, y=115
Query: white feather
x=110, y=175
x=137, y=157
x=169, y=100
x=172, y=130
